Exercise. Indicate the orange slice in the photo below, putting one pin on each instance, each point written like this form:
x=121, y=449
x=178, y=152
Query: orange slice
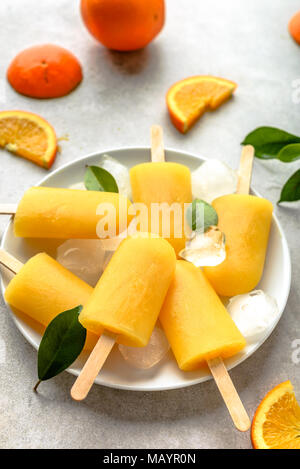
x=276, y=423
x=188, y=99
x=29, y=136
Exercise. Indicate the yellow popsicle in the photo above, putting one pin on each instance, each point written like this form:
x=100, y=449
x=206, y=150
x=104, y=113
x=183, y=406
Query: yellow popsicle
x=245, y=220
x=195, y=321
x=130, y=293
x=47, y=212
x=158, y=183
x=43, y=288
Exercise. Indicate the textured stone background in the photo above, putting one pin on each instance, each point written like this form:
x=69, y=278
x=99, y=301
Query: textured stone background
x=120, y=97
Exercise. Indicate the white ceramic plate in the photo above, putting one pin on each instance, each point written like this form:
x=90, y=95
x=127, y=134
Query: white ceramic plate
x=166, y=375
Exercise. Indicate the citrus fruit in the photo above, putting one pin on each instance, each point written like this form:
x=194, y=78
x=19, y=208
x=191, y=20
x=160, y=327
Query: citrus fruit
x=29, y=136
x=294, y=27
x=123, y=25
x=276, y=423
x=188, y=99
x=45, y=71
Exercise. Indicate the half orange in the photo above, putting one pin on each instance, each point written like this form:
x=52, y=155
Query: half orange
x=276, y=423
x=29, y=136
x=188, y=99
x=44, y=71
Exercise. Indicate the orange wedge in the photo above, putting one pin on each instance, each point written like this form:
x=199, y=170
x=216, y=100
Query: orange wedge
x=276, y=423
x=29, y=136
x=188, y=99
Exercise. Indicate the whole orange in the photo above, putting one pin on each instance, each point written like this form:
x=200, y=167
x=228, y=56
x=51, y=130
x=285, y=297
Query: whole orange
x=294, y=27
x=123, y=25
x=44, y=71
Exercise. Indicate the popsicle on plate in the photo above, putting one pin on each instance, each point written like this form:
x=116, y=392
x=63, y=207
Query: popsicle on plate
x=128, y=297
x=245, y=220
x=163, y=182
x=195, y=320
x=126, y=301
x=42, y=289
x=47, y=212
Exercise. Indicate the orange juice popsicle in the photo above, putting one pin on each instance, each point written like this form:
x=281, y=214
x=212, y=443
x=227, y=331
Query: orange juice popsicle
x=43, y=288
x=162, y=182
x=47, y=212
x=129, y=295
x=245, y=220
x=195, y=321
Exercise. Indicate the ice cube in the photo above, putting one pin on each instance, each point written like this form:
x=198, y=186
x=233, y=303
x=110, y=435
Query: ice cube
x=254, y=314
x=213, y=179
x=205, y=249
x=84, y=257
x=119, y=172
x=147, y=357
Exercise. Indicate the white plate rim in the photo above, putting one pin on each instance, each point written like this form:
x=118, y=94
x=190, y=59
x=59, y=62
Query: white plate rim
x=192, y=382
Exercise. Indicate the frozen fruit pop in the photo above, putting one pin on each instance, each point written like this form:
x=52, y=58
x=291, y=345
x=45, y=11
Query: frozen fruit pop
x=245, y=220
x=162, y=182
x=47, y=212
x=200, y=330
x=130, y=292
x=42, y=288
x=126, y=302
x=195, y=320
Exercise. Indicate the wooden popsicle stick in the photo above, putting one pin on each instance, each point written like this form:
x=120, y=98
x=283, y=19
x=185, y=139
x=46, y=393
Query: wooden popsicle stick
x=245, y=170
x=229, y=393
x=92, y=367
x=157, y=144
x=10, y=262
x=8, y=209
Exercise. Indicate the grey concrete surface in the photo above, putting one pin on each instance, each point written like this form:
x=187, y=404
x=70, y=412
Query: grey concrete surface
x=120, y=97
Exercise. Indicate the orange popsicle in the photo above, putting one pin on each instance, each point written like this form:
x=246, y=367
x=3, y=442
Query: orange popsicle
x=43, y=288
x=195, y=321
x=161, y=182
x=47, y=212
x=129, y=295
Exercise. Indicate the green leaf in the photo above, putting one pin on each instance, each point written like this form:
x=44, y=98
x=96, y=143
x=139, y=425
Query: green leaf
x=61, y=344
x=201, y=215
x=290, y=153
x=98, y=179
x=291, y=190
x=269, y=141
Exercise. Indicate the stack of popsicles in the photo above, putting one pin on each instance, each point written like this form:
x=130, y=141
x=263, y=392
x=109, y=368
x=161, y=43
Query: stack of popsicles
x=143, y=278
